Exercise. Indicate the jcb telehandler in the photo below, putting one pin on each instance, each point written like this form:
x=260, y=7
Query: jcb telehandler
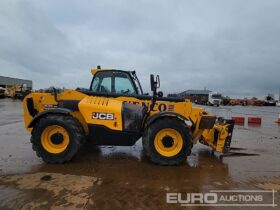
x=115, y=111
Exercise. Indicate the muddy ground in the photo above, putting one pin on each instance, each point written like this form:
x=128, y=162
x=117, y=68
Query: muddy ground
x=123, y=178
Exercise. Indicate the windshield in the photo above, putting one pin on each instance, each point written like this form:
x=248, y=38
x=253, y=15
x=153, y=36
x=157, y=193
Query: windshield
x=217, y=96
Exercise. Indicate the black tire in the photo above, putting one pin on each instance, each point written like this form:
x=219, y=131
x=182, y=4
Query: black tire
x=74, y=130
x=150, y=134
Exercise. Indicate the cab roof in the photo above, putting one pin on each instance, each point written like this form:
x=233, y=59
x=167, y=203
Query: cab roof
x=94, y=71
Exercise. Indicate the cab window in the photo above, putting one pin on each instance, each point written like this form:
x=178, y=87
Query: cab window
x=102, y=82
x=106, y=85
x=123, y=84
x=113, y=82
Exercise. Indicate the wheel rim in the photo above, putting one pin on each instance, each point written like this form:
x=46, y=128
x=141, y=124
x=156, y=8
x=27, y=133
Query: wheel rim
x=54, y=139
x=168, y=142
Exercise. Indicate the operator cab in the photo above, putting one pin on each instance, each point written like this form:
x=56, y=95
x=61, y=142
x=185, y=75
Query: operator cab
x=117, y=83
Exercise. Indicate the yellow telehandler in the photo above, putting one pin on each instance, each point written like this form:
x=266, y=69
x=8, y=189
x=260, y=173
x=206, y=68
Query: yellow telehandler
x=17, y=91
x=115, y=111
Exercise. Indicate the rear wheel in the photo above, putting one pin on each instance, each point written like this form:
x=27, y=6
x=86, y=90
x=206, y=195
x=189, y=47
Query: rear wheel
x=167, y=141
x=57, y=138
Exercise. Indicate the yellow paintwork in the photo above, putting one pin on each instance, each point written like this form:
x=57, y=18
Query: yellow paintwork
x=90, y=104
x=176, y=146
x=48, y=145
x=42, y=101
x=45, y=101
x=93, y=71
x=11, y=91
x=71, y=95
x=208, y=137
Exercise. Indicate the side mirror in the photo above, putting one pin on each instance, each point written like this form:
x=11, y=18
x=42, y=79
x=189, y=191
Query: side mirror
x=152, y=81
x=154, y=86
x=157, y=81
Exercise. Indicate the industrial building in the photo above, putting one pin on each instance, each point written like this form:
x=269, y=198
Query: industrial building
x=197, y=96
x=6, y=82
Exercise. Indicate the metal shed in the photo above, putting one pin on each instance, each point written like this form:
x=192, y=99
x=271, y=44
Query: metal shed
x=197, y=96
x=9, y=81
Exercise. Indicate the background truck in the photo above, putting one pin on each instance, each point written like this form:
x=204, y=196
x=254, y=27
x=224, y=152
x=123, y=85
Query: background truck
x=214, y=99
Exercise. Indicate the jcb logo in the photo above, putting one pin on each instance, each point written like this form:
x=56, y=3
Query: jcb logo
x=102, y=116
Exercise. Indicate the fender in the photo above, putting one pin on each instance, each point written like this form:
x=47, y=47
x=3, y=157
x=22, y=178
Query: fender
x=158, y=115
x=46, y=112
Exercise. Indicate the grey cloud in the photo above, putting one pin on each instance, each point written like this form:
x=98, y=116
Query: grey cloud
x=226, y=46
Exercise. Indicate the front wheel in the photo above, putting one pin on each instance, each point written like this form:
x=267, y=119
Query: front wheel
x=57, y=138
x=167, y=141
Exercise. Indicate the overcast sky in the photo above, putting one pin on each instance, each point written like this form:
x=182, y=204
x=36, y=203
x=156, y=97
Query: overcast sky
x=230, y=46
